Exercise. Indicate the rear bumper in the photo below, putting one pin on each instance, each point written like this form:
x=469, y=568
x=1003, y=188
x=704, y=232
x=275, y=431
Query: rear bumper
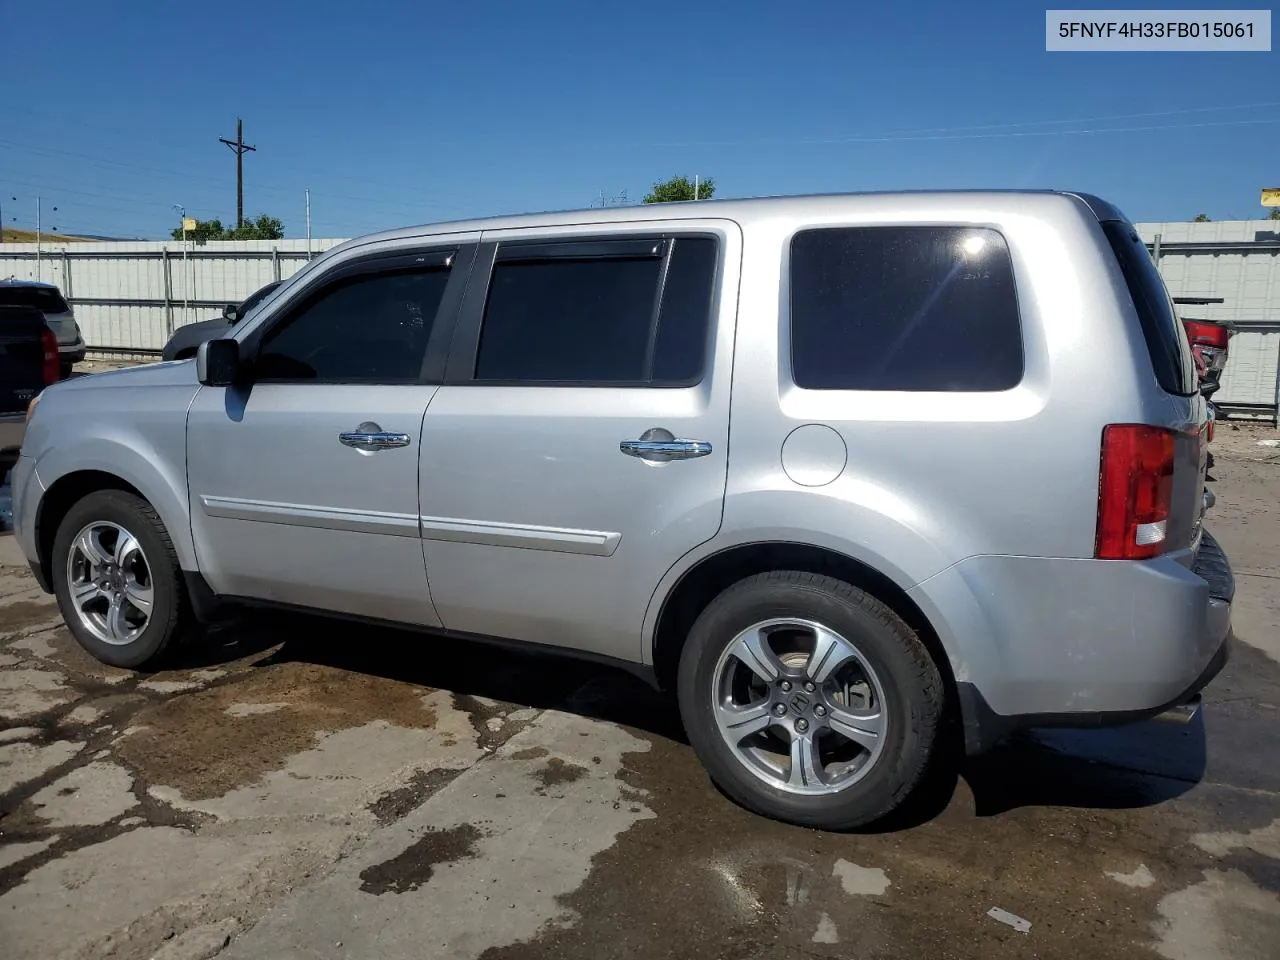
x=1081, y=643
x=984, y=728
x=71, y=352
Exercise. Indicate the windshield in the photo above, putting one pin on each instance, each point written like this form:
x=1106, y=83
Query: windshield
x=248, y=303
x=255, y=298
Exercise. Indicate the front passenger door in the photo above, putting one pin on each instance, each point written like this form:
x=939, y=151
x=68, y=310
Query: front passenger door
x=304, y=483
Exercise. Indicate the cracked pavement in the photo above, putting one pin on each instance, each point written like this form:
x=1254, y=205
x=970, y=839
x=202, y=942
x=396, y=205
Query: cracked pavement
x=293, y=787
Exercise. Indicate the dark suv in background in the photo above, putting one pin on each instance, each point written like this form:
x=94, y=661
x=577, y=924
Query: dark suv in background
x=187, y=338
x=58, y=314
x=28, y=364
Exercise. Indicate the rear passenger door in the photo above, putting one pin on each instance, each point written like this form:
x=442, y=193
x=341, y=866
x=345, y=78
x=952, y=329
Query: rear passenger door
x=578, y=446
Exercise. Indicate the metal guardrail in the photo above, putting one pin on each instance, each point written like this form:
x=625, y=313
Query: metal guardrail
x=1251, y=326
x=167, y=254
x=124, y=351
x=144, y=302
x=1159, y=247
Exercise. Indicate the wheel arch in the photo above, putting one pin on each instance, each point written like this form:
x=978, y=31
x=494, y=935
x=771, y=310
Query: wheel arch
x=709, y=575
x=126, y=470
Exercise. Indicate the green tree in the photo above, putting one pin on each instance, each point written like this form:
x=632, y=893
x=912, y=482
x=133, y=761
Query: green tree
x=1275, y=214
x=262, y=227
x=1202, y=218
x=680, y=188
x=205, y=230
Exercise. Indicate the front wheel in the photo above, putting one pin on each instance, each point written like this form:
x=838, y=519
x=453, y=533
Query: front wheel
x=810, y=701
x=117, y=579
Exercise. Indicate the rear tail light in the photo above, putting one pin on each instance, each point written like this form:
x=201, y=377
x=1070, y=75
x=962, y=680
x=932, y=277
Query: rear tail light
x=1135, y=491
x=49, y=343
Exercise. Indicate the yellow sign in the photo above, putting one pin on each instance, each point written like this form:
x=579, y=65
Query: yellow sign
x=188, y=223
x=1271, y=196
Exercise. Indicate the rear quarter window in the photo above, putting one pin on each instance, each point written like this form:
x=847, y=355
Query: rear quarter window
x=913, y=308
x=1163, y=331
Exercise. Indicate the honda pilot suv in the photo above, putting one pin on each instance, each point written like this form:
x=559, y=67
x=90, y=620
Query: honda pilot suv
x=839, y=471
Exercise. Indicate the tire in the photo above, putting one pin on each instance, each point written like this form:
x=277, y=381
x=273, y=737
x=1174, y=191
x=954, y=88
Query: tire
x=897, y=672
x=65, y=369
x=144, y=645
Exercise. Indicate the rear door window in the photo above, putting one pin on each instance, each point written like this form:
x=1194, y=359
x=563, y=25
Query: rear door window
x=629, y=312
x=1166, y=339
x=45, y=299
x=913, y=308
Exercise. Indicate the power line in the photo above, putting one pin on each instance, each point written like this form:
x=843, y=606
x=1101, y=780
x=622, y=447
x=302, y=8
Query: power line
x=239, y=148
x=611, y=200
x=150, y=173
x=79, y=125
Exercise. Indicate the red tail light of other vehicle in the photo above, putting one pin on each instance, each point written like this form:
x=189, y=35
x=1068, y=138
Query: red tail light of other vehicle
x=49, y=343
x=1208, y=345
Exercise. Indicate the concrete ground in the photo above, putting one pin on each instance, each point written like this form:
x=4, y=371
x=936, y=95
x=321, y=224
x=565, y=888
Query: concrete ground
x=298, y=788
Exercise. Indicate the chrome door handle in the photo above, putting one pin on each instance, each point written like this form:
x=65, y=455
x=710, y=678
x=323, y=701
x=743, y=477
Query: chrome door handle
x=374, y=441
x=659, y=451
x=371, y=437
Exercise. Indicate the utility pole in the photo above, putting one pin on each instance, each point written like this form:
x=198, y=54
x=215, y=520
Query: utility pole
x=239, y=148
x=308, y=193
x=37, y=239
x=607, y=200
x=186, y=274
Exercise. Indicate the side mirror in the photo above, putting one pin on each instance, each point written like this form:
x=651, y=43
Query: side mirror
x=218, y=362
x=231, y=312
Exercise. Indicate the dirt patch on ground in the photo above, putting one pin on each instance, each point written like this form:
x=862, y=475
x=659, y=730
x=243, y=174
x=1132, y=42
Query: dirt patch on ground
x=530, y=753
x=414, y=867
x=557, y=772
x=16, y=614
x=768, y=889
x=193, y=744
x=395, y=804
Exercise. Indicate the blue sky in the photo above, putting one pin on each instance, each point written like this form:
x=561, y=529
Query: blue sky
x=395, y=112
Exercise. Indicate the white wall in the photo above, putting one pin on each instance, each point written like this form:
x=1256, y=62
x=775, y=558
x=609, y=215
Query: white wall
x=1249, y=284
x=216, y=273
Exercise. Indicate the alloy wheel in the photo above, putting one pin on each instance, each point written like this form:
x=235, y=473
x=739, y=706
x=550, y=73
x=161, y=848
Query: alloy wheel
x=799, y=706
x=109, y=583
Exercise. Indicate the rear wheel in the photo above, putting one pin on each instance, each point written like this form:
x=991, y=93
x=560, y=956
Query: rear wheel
x=64, y=370
x=809, y=700
x=117, y=579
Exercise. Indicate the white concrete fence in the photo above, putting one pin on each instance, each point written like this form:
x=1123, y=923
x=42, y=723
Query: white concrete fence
x=130, y=296
x=1239, y=262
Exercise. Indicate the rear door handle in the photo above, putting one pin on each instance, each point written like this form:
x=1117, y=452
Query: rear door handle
x=658, y=449
x=370, y=438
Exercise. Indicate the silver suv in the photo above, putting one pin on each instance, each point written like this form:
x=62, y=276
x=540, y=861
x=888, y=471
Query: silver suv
x=845, y=472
